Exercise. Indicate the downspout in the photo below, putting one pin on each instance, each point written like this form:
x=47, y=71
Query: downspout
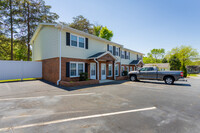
x=97, y=68
x=58, y=82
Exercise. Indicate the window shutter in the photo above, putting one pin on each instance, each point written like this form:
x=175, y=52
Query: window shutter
x=129, y=55
x=86, y=43
x=67, y=69
x=119, y=52
x=125, y=55
x=86, y=67
x=114, y=50
x=107, y=47
x=67, y=38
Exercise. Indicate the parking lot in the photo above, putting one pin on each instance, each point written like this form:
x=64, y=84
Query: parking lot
x=119, y=107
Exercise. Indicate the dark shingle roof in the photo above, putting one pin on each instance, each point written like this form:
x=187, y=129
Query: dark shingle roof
x=96, y=55
x=134, y=62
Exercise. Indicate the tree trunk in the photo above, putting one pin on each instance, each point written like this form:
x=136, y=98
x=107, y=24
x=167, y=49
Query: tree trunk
x=28, y=25
x=11, y=28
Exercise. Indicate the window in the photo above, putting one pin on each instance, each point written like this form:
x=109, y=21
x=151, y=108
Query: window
x=76, y=68
x=77, y=41
x=117, y=51
x=80, y=68
x=73, y=40
x=122, y=69
x=123, y=54
x=127, y=55
x=127, y=68
x=116, y=69
x=110, y=70
x=111, y=48
x=72, y=69
x=81, y=42
x=131, y=68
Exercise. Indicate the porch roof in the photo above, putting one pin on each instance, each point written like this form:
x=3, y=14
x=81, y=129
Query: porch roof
x=101, y=54
x=136, y=62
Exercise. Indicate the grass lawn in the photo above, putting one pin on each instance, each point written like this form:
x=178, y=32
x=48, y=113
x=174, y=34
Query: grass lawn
x=192, y=75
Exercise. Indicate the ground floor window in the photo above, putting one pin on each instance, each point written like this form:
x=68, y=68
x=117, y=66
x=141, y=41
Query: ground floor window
x=122, y=69
x=110, y=70
x=76, y=68
x=116, y=69
x=127, y=68
x=131, y=68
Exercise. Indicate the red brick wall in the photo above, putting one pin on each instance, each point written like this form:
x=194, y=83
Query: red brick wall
x=50, y=69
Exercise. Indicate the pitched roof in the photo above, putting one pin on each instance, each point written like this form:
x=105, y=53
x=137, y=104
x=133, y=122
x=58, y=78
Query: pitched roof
x=100, y=54
x=136, y=62
x=96, y=55
x=65, y=27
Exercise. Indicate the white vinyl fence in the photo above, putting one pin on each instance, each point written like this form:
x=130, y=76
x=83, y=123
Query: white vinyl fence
x=20, y=70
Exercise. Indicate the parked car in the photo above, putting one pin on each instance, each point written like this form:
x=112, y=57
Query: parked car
x=152, y=73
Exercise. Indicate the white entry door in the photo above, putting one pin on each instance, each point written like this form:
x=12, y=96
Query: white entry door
x=92, y=70
x=103, y=71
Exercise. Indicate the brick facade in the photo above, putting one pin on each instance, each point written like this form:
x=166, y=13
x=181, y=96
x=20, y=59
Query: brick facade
x=51, y=68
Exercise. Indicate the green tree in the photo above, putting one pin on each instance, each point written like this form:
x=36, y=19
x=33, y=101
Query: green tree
x=32, y=13
x=106, y=33
x=175, y=63
x=157, y=54
x=82, y=23
x=164, y=60
x=97, y=30
x=184, y=53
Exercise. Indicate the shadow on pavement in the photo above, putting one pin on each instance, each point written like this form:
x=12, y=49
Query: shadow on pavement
x=85, y=86
x=162, y=82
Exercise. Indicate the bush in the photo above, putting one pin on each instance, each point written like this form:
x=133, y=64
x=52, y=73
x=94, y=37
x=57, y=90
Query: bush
x=124, y=73
x=83, y=77
x=183, y=68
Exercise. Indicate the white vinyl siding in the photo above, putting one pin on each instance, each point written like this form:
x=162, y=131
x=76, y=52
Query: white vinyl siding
x=110, y=70
x=76, y=68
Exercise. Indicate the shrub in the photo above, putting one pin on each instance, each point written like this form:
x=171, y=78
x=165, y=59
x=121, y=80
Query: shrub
x=124, y=73
x=83, y=76
x=183, y=68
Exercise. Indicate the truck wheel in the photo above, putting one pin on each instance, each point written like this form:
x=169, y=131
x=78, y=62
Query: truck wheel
x=169, y=80
x=133, y=78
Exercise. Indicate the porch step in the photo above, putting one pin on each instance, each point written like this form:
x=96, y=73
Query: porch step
x=105, y=81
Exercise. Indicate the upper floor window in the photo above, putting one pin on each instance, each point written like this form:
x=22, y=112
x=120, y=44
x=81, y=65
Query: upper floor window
x=111, y=48
x=81, y=42
x=117, y=51
x=127, y=55
x=123, y=54
x=77, y=41
x=73, y=40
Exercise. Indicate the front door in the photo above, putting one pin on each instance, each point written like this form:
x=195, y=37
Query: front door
x=103, y=71
x=92, y=70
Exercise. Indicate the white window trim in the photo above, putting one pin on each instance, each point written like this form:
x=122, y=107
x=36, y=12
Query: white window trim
x=123, y=53
x=111, y=70
x=76, y=68
x=127, y=68
x=77, y=41
x=117, y=69
x=127, y=54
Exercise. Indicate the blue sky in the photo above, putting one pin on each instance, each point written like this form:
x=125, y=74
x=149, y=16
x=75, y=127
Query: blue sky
x=140, y=25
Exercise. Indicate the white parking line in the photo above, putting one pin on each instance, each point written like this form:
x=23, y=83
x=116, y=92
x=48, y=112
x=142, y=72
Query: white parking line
x=76, y=118
x=21, y=98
